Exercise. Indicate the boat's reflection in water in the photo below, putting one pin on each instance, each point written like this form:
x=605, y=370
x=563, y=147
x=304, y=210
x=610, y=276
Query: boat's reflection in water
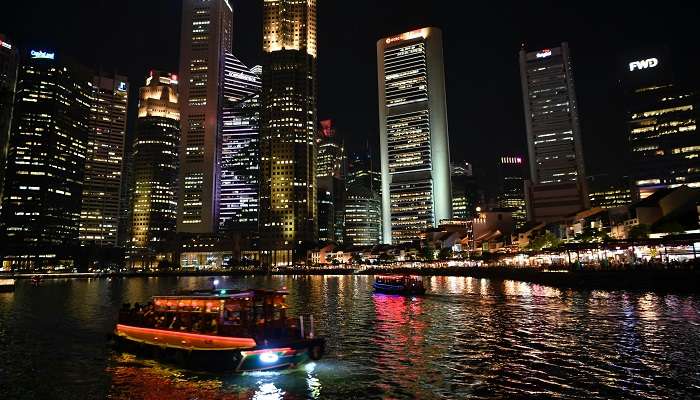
x=134, y=378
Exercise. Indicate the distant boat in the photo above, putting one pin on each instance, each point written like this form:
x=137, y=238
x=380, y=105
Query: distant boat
x=399, y=284
x=220, y=329
x=7, y=285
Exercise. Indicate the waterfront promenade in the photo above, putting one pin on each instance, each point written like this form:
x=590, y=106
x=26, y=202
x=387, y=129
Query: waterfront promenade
x=683, y=277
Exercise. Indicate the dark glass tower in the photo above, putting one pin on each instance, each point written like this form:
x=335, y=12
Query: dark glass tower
x=8, y=78
x=330, y=179
x=288, y=212
x=45, y=163
x=511, y=190
x=661, y=121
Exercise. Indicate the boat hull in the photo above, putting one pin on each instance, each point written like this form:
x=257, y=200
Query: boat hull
x=397, y=289
x=207, y=352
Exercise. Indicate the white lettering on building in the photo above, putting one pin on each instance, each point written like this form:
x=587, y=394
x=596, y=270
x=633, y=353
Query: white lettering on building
x=644, y=64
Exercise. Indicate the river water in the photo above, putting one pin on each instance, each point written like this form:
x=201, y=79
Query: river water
x=467, y=338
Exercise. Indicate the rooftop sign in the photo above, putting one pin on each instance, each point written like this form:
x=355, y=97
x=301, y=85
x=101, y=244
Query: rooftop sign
x=418, y=33
x=5, y=45
x=643, y=64
x=544, y=53
x=40, y=54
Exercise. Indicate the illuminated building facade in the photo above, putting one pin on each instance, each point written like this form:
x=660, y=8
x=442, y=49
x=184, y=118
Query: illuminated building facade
x=330, y=179
x=609, y=192
x=465, y=191
x=288, y=208
x=155, y=169
x=9, y=59
x=662, y=123
x=362, y=216
x=553, y=135
x=206, y=37
x=361, y=170
x=99, y=216
x=45, y=163
x=511, y=190
x=240, y=149
x=415, y=156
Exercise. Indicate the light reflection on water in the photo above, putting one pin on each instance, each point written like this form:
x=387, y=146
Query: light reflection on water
x=467, y=338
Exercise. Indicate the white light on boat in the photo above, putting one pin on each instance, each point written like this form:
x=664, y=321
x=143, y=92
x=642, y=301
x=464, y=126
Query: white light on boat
x=269, y=357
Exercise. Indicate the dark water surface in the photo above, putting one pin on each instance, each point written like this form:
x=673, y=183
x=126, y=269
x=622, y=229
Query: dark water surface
x=467, y=338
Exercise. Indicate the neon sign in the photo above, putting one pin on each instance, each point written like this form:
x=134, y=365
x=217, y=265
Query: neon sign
x=418, y=33
x=544, y=53
x=644, y=64
x=40, y=54
x=122, y=87
x=5, y=45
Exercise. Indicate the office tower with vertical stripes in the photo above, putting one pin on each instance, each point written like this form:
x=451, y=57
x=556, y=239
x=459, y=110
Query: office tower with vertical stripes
x=206, y=37
x=240, y=148
x=288, y=210
x=415, y=156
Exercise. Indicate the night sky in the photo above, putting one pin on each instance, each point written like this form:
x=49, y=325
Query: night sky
x=482, y=40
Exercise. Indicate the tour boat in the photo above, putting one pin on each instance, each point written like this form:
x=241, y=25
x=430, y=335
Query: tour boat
x=7, y=285
x=400, y=284
x=220, y=329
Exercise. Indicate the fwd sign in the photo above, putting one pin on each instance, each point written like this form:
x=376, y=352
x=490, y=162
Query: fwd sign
x=644, y=64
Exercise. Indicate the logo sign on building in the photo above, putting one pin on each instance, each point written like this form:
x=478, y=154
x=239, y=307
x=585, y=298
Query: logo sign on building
x=122, y=87
x=40, y=54
x=544, y=53
x=5, y=45
x=418, y=33
x=644, y=64
x=241, y=76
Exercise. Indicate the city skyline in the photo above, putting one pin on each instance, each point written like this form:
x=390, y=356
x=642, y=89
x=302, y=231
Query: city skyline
x=596, y=54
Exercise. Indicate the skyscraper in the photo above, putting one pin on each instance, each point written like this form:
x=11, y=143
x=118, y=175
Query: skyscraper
x=511, y=188
x=99, y=216
x=415, y=156
x=609, y=191
x=361, y=169
x=362, y=216
x=288, y=212
x=8, y=78
x=240, y=149
x=206, y=37
x=330, y=179
x=557, y=187
x=465, y=191
x=155, y=169
x=661, y=122
x=45, y=163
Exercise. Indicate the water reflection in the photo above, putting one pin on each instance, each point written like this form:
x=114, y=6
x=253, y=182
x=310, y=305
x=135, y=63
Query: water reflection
x=466, y=338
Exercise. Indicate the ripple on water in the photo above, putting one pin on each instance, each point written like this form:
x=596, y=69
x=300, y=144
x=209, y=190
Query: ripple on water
x=468, y=338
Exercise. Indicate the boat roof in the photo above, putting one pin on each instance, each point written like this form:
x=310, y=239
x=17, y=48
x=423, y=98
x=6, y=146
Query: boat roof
x=221, y=294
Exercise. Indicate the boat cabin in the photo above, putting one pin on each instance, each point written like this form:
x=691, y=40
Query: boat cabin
x=221, y=312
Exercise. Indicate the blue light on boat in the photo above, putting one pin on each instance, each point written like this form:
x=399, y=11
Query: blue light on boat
x=269, y=357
